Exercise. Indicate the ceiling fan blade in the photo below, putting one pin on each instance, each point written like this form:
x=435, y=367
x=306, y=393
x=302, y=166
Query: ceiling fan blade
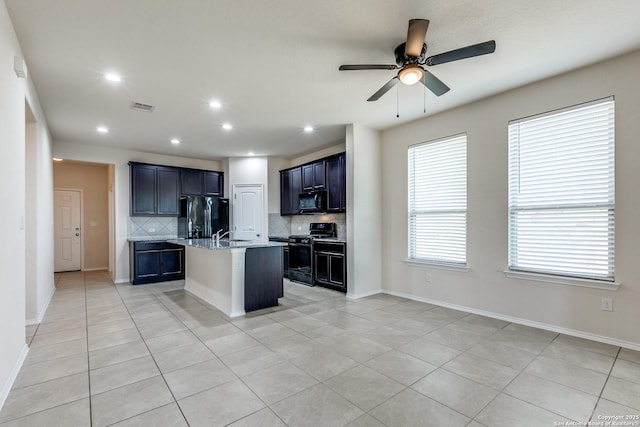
x=462, y=53
x=384, y=89
x=433, y=83
x=415, y=36
x=367, y=67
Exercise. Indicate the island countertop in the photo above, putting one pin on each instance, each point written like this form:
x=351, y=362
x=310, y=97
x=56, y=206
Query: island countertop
x=223, y=244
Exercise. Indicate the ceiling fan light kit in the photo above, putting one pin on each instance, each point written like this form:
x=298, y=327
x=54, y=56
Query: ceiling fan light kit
x=410, y=74
x=411, y=57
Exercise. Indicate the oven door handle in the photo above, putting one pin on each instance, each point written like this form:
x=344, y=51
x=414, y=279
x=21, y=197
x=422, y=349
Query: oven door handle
x=300, y=244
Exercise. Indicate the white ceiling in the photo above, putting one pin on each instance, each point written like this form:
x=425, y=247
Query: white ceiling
x=274, y=64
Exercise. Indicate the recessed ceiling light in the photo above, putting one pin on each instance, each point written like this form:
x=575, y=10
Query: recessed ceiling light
x=308, y=128
x=251, y=153
x=175, y=141
x=227, y=126
x=102, y=129
x=215, y=104
x=113, y=77
x=56, y=159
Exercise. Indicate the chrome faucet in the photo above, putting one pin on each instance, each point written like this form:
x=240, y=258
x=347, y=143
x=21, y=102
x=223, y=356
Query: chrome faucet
x=218, y=236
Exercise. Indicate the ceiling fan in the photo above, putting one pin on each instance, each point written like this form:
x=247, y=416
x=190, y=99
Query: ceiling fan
x=411, y=59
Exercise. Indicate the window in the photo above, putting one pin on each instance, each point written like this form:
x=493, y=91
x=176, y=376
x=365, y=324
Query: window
x=438, y=201
x=561, y=192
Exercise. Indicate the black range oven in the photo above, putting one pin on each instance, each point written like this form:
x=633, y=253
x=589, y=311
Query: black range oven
x=301, y=251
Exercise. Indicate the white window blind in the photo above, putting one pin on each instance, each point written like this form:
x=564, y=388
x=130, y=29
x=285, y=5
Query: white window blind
x=438, y=201
x=561, y=192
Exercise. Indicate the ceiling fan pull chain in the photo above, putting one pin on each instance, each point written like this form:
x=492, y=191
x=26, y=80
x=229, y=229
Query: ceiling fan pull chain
x=397, y=102
x=424, y=94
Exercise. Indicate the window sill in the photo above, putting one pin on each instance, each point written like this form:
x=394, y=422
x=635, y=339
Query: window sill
x=437, y=265
x=571, y=281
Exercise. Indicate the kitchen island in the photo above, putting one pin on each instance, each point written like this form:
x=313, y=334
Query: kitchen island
x=235, y=277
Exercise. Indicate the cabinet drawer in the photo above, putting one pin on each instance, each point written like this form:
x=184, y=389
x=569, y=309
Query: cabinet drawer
x=329, y=247
x=154, y=246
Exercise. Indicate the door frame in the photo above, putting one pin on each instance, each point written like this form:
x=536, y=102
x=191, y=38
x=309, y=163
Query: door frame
x=79, y=190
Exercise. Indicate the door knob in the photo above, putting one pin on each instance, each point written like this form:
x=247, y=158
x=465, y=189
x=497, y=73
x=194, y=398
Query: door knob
x=77, y=234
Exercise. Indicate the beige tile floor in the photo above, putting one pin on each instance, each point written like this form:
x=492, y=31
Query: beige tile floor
x=154, y=355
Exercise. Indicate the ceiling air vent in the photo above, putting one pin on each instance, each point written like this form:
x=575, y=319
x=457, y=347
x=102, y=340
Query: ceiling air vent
x=139, y=106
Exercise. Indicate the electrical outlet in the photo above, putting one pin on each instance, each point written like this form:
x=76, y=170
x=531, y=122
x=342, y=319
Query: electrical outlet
x=427, y=277
x=607, y=304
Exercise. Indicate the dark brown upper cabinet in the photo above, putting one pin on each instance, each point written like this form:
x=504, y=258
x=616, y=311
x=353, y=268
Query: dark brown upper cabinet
x=191, y=182
x=336, y=184
x=156, y=189
x=290, y=189
x=328, y=174
x=213, y=183
x=313, y=176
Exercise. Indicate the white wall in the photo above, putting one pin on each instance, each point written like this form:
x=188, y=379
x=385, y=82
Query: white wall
x=31, y=221
x=120, y=159
x=275, y=165
x=252, y=170
x=337, y=148
x=44, y=206
x=485, y=287
x=15, y=91
x=364, y=214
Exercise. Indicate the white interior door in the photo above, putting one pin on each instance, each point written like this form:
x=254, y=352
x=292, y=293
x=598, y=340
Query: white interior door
x=247, y=211
x=66, y=234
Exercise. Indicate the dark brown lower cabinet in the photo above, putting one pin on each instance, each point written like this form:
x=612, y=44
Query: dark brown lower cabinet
x=330, y=267
x=262, y=277
x=155, y=261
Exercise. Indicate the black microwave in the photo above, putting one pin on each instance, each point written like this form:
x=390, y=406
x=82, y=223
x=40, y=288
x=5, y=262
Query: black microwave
x=314, y=202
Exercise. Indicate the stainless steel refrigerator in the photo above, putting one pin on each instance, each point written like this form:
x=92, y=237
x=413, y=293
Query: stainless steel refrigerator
x=202, y=216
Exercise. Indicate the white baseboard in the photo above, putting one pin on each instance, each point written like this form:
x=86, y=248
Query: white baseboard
x=96, y=269
x=43, y=310
x=540, y=325
x=6, y=387
x=121, y=281
x=363, y=294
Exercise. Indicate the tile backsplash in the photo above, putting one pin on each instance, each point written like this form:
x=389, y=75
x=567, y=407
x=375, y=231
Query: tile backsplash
x=299, y=224
x=279, y=225
x=151, y=226
x=167, y=227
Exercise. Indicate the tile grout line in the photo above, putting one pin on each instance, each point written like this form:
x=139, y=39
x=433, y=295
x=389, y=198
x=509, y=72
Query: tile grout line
x=239, y=377
x=86, y=324
x=53, y=379
x=545, y=379
x=225, y=365
x=605, y=383
x=502, y=391
x=152, y=358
